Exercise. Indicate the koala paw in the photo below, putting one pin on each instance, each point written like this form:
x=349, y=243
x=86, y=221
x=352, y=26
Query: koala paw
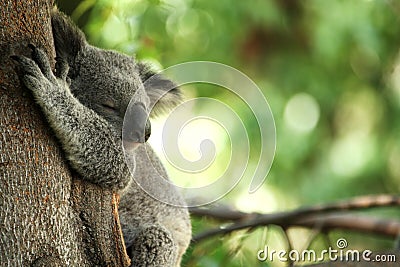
x=37, y=74
x=153, y=246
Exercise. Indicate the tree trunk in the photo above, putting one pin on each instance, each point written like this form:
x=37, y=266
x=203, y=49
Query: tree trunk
x=47, y=218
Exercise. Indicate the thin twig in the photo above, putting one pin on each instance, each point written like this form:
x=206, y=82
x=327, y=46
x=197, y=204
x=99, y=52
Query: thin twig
x=308, y=217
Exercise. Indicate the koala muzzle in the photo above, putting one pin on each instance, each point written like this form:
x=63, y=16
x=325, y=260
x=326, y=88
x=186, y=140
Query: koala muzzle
x=137, y=128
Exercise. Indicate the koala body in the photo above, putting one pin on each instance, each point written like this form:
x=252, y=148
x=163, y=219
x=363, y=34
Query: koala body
x=85, y=103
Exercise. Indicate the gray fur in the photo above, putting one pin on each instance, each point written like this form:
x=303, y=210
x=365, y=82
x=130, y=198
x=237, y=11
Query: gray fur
x=148, y=171
x=85, y=104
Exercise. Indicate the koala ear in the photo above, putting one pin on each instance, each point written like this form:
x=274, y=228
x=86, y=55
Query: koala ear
x=68, y=39
x=164, y=94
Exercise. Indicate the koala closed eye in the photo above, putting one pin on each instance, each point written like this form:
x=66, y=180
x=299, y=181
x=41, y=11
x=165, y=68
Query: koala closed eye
x=109, y=107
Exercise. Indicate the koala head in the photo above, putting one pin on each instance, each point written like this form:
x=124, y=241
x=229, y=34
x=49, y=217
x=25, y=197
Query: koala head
x=106, y=81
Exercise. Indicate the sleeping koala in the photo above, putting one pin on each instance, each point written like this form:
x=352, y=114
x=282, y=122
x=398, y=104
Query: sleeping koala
x=85, y=103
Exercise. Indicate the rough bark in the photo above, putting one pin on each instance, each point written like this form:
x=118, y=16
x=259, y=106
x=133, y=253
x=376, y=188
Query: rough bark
x=47, y=216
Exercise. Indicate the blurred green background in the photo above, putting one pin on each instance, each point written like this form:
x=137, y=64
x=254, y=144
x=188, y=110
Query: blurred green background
x=329, y=70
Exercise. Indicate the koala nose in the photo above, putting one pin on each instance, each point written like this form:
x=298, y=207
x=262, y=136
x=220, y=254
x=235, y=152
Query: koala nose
x=137, y=128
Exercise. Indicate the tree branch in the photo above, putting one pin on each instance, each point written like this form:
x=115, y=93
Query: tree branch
x=308, y=217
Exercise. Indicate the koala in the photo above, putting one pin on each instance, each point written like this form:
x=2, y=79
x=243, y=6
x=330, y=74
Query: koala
x=85, y=103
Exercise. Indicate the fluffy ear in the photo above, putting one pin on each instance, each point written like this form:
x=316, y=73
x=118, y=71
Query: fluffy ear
x=163, y=93
x=68, y=39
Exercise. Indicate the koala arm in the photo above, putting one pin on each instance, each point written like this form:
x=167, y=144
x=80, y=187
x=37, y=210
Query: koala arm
x=91, y=145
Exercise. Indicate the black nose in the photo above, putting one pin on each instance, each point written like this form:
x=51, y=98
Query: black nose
x=137, y=128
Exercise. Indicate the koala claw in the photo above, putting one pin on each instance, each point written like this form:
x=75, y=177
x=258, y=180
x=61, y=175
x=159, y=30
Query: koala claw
x=62, y=69
x=47, y=261
x=36, y=72
x=28, y=66
x=40, y=57
x=32, y=76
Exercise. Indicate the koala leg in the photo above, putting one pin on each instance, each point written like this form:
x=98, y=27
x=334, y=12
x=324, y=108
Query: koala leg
x=153, y=246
